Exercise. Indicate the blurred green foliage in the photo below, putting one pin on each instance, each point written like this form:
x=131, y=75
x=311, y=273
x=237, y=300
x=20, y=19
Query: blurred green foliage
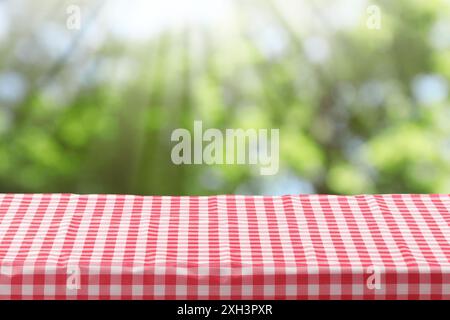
x=359, y=110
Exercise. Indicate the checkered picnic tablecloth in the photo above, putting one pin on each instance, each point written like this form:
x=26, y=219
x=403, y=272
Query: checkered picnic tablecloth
x=65, y=246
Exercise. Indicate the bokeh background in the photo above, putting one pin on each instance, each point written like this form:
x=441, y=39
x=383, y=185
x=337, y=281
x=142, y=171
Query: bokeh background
x=92, y=110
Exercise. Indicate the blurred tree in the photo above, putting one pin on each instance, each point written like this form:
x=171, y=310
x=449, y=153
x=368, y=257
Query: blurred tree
x=359, y=110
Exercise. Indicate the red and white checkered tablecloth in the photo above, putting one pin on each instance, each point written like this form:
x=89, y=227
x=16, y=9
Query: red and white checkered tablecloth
x=65, y=246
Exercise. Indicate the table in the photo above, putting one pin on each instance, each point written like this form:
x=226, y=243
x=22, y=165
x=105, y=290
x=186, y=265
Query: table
x=67, y=246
